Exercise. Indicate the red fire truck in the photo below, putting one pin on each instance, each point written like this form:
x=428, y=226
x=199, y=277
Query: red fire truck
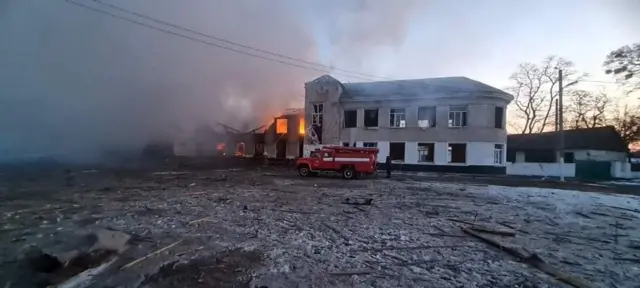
x=351, y=162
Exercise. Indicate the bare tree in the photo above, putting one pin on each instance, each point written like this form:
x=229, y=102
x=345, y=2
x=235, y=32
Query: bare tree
x=625, y=62
x=627, y=121
x=535, y=91
x=587, y=109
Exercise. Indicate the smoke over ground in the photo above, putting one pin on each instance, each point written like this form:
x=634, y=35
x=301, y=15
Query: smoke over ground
x=74, y=83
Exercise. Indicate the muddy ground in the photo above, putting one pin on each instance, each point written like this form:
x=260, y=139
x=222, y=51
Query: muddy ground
x=271, y=228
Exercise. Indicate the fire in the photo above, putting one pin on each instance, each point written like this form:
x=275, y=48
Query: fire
x=281, y=126
x=301, y=129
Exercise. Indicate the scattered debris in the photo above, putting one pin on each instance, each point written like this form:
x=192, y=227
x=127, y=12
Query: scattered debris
x=636, y=260
x=584, y=215
x=407, y=248
x=334, y=229
x=533, y=260
x=291, y=211
x=151, y=254
x=200, y=220
x=351, y=273
x=365, y=201
x=493, y=231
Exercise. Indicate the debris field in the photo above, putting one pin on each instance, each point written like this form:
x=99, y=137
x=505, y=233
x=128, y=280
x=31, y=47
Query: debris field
x=272, y=228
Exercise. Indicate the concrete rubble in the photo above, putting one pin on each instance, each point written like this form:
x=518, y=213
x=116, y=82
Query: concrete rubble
x=272, y=228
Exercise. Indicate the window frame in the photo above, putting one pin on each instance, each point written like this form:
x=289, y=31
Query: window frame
x=402, y=123
x=404, y=152
x=463, y=116
x=430, y=149
x=498, y=153
x=317, y=114
x=450, y=153
x=430, y=125
x=344, y=116
x=364, y=118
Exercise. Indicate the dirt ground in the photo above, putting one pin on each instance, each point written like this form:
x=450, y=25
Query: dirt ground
x=272, y=228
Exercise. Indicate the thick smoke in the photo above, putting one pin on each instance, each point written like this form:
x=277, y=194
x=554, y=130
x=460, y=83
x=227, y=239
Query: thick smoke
x=74, y=83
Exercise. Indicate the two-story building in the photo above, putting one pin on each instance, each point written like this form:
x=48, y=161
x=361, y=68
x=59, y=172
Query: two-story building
x=450, y=124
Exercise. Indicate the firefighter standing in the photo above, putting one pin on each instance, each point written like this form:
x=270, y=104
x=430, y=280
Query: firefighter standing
x=388, y=164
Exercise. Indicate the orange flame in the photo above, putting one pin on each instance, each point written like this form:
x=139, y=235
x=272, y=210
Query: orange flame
x=301, y=128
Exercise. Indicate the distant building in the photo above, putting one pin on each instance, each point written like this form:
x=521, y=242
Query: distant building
x=589, y=144
x=590, y=153
x=450, y=124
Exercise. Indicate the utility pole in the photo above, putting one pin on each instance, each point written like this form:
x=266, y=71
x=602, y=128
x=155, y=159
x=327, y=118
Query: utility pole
x=556, y=122
x=560, y=126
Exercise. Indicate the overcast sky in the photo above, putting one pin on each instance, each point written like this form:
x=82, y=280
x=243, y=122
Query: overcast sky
x=74, y=82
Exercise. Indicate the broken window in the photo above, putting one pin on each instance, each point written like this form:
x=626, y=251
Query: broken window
x=499, y=117
x=371, y=118
x=396, y=151
x=498, y=151
x=427, y=117
x=316, y=115
x=397, y=118
x=457, y=116
x=350, y=118
x=281, y=126
x=425, y=152
x=370, y=144
x=457, y=153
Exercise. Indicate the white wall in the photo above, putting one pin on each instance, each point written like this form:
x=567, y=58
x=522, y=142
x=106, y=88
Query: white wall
x=383, y=146
x=411, y=153
x=440, y=151
x=481, y=153
x=541, y=169
x=623, y=170
x=478, y=153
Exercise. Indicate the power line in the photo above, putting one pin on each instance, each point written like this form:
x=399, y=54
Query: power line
x=232, y=42
x=189, y=37
x=115, y=16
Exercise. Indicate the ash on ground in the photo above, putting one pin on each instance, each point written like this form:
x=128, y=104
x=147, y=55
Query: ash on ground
x=272, y=228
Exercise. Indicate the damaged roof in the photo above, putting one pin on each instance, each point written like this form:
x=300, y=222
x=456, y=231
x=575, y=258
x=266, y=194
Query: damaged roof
x=600, y=138
x=417, y=88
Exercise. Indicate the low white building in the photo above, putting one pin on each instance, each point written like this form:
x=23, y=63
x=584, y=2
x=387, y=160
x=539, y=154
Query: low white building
x=591, y=153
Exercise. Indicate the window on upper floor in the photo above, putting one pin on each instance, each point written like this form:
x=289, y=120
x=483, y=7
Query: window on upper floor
x=457, y=116
x=371, y=118
x=316, y=115
x=350, y=118
x=427, y=117
x=499, y=117
x=397, y=118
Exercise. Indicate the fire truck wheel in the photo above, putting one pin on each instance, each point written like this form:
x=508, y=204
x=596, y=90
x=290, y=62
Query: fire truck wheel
x=304, y=171
x=348, y=173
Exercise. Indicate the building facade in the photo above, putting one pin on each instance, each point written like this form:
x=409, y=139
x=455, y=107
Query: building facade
x=451, y=124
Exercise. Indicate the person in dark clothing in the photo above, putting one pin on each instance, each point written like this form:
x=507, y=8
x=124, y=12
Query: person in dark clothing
x=388, y=164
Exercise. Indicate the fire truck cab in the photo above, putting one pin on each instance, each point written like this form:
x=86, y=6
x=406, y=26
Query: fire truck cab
x=351, y=162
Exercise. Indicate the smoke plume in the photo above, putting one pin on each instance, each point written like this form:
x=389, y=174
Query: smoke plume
x=74, y=82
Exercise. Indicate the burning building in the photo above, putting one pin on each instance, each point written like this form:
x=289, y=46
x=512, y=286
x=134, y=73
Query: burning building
x=284, y=138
